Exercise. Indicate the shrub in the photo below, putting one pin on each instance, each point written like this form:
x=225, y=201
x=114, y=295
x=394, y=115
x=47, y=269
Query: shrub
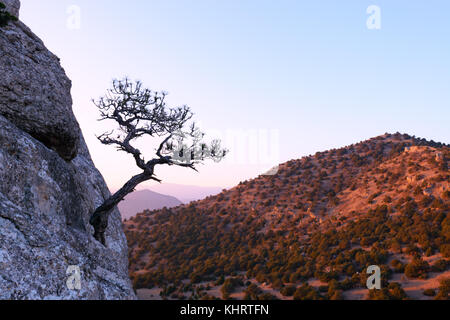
x=444, y=290
x=382, y=294
x=446, y=194
x=417, y=269
x=337, y=295
x=306, y=292
x=429, y=292
x=396, y=246
x=398, y=266
x=229, y=285
x=396, y=291
x=347, y=284
x=440, y=265
x=445, y=250
x=323, y=289
x=267, y=296
x=220, y=280
x=393, y=292
x=252, y=292
x=195, y=278
x=288, y=291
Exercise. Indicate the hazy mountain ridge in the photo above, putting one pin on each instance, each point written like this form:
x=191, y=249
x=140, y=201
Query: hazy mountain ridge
x=139, y=201
x=185, y=193
x=290, y=229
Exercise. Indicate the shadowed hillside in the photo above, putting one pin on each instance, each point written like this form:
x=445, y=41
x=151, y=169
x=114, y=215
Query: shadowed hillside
x=310, y=231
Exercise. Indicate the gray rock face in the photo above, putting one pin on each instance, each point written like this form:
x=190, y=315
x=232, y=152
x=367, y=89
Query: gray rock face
x=45, y=205
x=35, y=91
x=45, y=198
x=12, y=6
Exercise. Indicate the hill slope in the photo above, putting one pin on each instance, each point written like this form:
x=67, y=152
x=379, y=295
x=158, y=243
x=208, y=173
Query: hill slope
x=310, y=231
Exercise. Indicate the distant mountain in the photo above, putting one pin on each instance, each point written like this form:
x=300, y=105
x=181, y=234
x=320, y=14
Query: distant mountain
x=185, y=193
x=139, y=201
x=310, y=231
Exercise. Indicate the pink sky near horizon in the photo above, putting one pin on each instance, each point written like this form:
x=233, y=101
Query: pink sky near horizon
x=300, y=77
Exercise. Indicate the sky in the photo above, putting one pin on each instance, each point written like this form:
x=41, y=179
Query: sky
x=275, y=80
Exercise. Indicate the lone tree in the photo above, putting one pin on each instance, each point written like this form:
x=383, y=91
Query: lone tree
x=140, y=112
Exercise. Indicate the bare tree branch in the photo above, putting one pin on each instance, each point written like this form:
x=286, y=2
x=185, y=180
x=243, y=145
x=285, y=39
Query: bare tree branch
x=140, y=112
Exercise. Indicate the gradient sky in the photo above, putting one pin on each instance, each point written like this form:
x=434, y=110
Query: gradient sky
x=310, y=70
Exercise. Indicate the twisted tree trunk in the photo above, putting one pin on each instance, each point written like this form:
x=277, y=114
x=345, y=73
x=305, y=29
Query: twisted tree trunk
x=142, y=112
x=99, y=219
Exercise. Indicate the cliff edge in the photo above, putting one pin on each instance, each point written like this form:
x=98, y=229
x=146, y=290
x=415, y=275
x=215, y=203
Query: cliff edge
x=49, y=185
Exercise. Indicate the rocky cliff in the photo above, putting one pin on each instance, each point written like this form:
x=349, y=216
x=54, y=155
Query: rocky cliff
x=49, y=185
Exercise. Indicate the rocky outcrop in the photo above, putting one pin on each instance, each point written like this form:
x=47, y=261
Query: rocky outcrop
x=49, y=185
x=35, y=91
x=12, y=6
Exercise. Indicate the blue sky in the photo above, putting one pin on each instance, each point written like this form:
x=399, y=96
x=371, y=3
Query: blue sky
x=309, y=70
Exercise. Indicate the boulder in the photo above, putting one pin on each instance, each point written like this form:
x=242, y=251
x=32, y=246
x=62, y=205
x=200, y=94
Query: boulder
x=35, y=91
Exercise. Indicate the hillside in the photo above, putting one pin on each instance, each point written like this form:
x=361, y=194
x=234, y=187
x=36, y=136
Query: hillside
x=310, y=231
x=145, y=200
